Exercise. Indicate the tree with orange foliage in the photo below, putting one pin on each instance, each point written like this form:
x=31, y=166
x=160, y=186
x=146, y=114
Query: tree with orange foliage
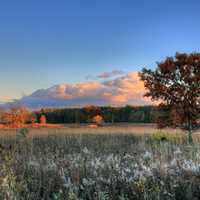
x=176, y=82
x=91, y=111
x=98, y=119
x=16, y=117
x=43, y=119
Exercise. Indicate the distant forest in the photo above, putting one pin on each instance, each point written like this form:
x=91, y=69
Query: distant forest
x=135, y=114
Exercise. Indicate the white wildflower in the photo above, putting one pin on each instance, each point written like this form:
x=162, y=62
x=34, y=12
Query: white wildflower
x=87, y=182
x=147, y=155
x=178, y=152
x=51, y=165
x=189, y=165
x=173, y=163
x=33, y=163
x=127, y=170
x=128, y=156
x=85, y=150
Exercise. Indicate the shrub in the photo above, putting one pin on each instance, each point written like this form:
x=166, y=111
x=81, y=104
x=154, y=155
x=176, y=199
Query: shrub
x=43, y=119
x=98, y=119
x=15, y=117
x=162, y=136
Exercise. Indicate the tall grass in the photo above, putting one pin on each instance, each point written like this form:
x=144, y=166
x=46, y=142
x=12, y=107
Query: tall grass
x=98, y=167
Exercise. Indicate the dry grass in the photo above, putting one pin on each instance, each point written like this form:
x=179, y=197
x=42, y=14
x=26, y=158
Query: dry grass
x=125, y=128
x=120, y=162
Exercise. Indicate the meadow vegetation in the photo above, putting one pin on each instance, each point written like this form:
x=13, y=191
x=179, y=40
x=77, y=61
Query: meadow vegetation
x=98, y=166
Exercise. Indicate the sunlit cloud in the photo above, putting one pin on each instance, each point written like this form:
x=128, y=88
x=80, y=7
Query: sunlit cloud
x=123, y=90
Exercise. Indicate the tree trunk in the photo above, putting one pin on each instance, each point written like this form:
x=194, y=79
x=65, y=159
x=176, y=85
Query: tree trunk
x=190, y=140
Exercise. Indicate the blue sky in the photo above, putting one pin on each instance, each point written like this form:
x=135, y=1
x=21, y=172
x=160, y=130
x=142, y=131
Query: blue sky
x=46, y=42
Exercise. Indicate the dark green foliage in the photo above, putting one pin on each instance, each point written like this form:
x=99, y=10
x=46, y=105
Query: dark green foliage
x=134, y=114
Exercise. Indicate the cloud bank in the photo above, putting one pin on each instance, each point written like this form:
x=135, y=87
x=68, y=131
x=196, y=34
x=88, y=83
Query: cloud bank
x=127, y=89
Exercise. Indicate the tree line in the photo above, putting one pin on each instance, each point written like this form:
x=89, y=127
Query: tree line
x=89, y=114
x=163, y=115
x=132, y=114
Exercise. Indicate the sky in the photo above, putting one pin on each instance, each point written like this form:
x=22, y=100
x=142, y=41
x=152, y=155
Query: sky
x=48, y=42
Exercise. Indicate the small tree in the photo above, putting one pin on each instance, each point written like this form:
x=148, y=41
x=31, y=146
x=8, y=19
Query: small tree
x=176, y=82
x=15, y=117
x=43, y=119
x=98, y=119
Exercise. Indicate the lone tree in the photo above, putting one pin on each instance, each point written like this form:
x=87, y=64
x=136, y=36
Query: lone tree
x=176, y=83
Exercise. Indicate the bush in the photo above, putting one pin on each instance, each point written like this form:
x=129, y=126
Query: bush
x=162, y=136
x=43, y=119
x=98, y=119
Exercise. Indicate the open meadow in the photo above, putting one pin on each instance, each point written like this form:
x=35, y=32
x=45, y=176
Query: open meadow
x=121, y=162
x=68, y=129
